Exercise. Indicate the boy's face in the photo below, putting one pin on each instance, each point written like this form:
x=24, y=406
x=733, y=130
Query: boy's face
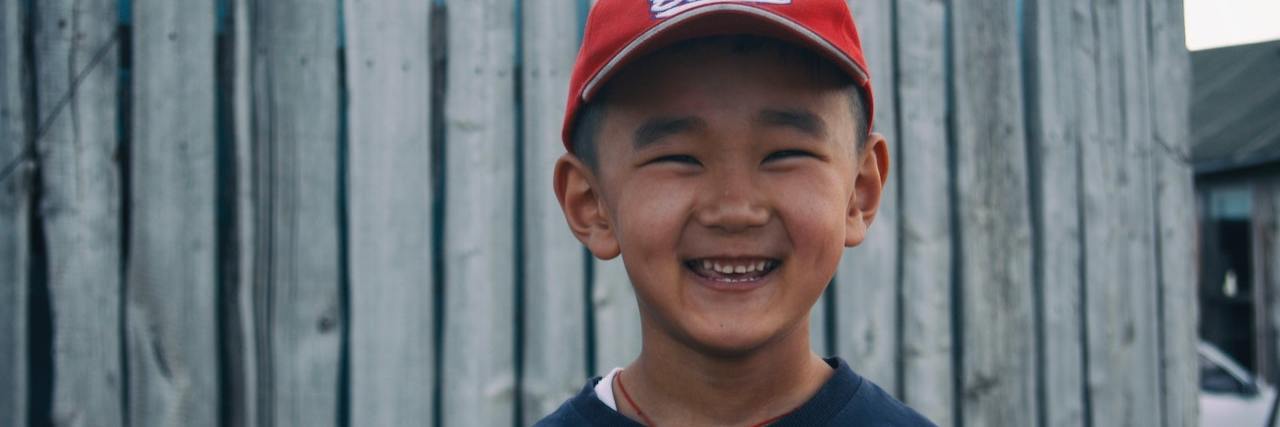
x=730, y=183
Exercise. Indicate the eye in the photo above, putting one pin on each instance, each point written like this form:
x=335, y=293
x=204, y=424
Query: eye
x=678, y=159
x=788, y=154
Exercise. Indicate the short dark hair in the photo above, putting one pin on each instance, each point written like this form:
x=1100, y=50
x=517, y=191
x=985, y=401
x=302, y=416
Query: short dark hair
x=586, y=127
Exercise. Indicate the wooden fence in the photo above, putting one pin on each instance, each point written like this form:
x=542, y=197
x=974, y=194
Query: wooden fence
x=338, y=212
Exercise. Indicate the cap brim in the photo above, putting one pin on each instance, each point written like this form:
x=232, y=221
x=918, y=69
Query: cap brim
x=716, y=20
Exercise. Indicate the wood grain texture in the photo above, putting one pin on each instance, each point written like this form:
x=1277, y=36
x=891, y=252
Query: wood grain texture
x=170, y=289
x=1262, y=222
x=297, y=281
x=867, y=284
x=15, y=212
x=1056, y=65
x=926, y=211
x=997, y=370
x=389, y=208
x=617, y=317
x=1266, y=282
x=1069, y=215
x=479, y=354
x=239, y=315
x=1118, y=223
x=1095, y=225
x=554, y=331
x=76, y=60
x=1175, y=199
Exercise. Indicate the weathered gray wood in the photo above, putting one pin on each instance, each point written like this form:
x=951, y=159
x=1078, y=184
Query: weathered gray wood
x=1266, y=280
x=80, y=205
x=927, y=372
x=1118, y=218
x=296, y=146
x=240, y=323
x=1119, y=233
x=1096, y=224
x=170, y=290
x=867, y=285
x=997, y=369
x=1262, y=221
x=1260, y=218
x=479, y=362
x=554, y=332
x=389, y=203
x=1055, y=69
x=1175, y=201
x=617, y=316
x=15, y=211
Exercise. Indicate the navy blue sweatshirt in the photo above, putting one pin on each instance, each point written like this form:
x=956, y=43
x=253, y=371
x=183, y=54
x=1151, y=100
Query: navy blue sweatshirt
x=846, y=399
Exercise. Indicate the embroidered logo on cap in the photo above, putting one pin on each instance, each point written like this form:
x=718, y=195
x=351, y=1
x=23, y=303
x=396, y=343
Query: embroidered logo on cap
x=668, y=8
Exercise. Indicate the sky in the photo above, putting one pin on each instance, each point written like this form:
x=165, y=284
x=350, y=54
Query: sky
x=1218, y=23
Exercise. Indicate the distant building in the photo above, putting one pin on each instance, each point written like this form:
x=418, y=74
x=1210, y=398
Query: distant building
x=1235, y=122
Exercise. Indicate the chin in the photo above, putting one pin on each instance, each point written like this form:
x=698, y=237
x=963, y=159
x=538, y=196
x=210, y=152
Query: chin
x=732, y=337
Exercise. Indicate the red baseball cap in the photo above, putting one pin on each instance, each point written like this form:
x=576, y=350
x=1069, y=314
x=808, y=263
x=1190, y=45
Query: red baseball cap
x=620, y=31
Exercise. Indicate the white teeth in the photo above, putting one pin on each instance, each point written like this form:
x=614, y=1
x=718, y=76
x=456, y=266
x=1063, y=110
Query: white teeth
x=753, y=267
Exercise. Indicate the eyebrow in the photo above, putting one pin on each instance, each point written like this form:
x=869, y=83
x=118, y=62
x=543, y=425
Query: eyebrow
x=655, y=129
x=800, y=119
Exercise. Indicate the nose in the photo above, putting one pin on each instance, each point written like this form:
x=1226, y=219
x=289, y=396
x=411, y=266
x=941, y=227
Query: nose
x=734, y=204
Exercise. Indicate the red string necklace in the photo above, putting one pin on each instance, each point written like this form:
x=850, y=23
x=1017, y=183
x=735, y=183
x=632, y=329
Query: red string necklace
x=648, y=422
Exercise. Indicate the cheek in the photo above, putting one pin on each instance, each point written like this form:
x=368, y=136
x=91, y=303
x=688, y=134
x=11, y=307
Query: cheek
x=649, y=215
x=813, y=207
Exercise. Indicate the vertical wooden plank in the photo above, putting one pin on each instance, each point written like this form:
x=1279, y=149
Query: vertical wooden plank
x=997, y=369
x=479, y=359
x=389, y=191
x=170, y=289
x=1262, y=221
x=1055, y=71
x=867, y=285
x=554, y=333
x=241, y=326
x=1266, y=205
x=15, y=210
x=296, y=141
x=617, y=316
x=1119, y=236
x=1175, y=199
x=926, y=211
x=76, y=55
x=1141, y=218
x=1094, y=224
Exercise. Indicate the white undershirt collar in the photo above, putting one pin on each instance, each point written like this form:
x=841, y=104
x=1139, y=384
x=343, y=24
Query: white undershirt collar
x=604, y=389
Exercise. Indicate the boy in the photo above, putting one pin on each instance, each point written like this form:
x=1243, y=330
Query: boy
x=722, y=148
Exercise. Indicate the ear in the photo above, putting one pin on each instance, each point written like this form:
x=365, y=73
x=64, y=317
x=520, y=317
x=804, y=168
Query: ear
x=868, y=186
x=579, y=195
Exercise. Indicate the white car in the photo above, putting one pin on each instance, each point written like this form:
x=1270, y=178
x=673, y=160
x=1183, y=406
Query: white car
x=1229, y=395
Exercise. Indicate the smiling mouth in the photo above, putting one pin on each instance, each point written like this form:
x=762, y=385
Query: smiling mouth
x=732, y=270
